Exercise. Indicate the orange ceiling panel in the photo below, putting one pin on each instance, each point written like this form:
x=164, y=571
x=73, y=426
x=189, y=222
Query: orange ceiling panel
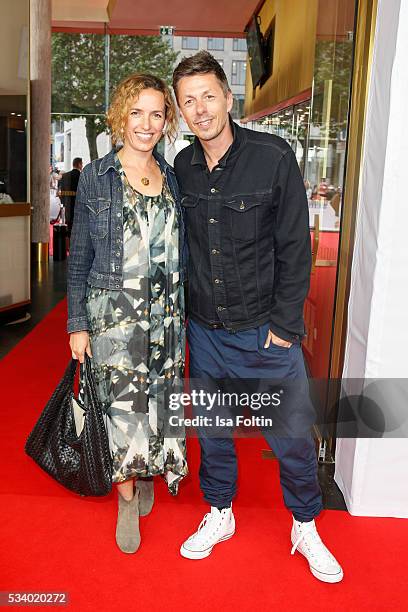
x=188, y=17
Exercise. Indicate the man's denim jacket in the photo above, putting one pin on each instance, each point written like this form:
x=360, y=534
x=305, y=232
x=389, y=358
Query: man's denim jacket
x=96, y=249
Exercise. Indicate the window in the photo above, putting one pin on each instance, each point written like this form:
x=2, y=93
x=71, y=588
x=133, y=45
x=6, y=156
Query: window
x=237, y=111
x=215, y=44
x=239, y=44
x=238, y=73
x=189, y=42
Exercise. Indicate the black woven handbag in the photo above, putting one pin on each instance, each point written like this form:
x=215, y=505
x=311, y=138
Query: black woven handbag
x=81, y=463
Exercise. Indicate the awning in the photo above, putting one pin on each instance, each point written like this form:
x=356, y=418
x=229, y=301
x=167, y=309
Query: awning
x=144, y=17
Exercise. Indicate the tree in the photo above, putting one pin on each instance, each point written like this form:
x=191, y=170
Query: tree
x=78, y=73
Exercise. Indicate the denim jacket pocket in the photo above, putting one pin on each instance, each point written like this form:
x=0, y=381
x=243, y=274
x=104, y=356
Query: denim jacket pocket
x=98, y=216
x=242, y=216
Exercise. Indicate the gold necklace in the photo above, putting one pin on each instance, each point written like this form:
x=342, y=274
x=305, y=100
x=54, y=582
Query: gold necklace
x=145, y=181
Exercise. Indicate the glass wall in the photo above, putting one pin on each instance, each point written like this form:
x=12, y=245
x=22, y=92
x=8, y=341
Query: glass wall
x=14, y=75
x=86, y=68
x=13, y=149
x=291, y=123
x=15, y=211
x=317, y=130
x=329, y=124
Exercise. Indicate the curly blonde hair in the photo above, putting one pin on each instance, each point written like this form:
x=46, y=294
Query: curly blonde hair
x=129, y=89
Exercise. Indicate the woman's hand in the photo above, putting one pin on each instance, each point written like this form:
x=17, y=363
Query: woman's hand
x=79, y=343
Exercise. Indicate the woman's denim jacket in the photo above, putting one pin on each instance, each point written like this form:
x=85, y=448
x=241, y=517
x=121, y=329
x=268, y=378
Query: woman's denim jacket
x=96, y=249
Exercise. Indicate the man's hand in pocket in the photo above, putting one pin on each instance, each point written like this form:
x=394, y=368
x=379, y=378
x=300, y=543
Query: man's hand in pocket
x=271, y=337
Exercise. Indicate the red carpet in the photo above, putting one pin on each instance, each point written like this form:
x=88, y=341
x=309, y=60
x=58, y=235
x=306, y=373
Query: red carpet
x=52, y=540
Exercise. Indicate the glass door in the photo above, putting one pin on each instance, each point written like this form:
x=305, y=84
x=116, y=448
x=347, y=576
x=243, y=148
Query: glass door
x=317, y=130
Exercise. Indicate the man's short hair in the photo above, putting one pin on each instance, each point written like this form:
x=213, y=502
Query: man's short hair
x=77, y=162
x=200, y=63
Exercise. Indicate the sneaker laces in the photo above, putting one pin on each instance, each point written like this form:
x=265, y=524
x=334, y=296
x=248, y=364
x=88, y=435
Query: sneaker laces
x=204, y=527
x=310, y=536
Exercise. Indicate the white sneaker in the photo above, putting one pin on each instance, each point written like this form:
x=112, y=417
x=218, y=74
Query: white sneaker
x=307, y=541
x=215, y=527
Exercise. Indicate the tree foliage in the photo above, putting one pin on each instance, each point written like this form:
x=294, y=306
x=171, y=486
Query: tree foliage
x=78, y=72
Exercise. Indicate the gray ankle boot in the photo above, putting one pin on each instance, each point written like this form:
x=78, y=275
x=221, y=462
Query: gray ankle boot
x=146, y=496
x=127, y=527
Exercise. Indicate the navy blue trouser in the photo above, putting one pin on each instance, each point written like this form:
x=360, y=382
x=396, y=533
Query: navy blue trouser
x=216, y=354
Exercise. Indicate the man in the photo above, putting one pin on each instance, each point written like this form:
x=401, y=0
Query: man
x=67, y=191
x=246, y=219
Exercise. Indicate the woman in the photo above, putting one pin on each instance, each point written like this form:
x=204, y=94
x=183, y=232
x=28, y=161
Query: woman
x=125, y=297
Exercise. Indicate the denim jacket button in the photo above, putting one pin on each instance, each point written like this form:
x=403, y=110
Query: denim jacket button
x=117, y=253
x=118, y=215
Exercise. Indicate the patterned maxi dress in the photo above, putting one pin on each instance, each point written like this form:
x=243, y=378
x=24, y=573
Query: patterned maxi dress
x=137, y=340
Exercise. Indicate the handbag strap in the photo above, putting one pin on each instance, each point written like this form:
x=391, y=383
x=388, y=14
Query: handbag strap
x=70, y=371
x=88, y=379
